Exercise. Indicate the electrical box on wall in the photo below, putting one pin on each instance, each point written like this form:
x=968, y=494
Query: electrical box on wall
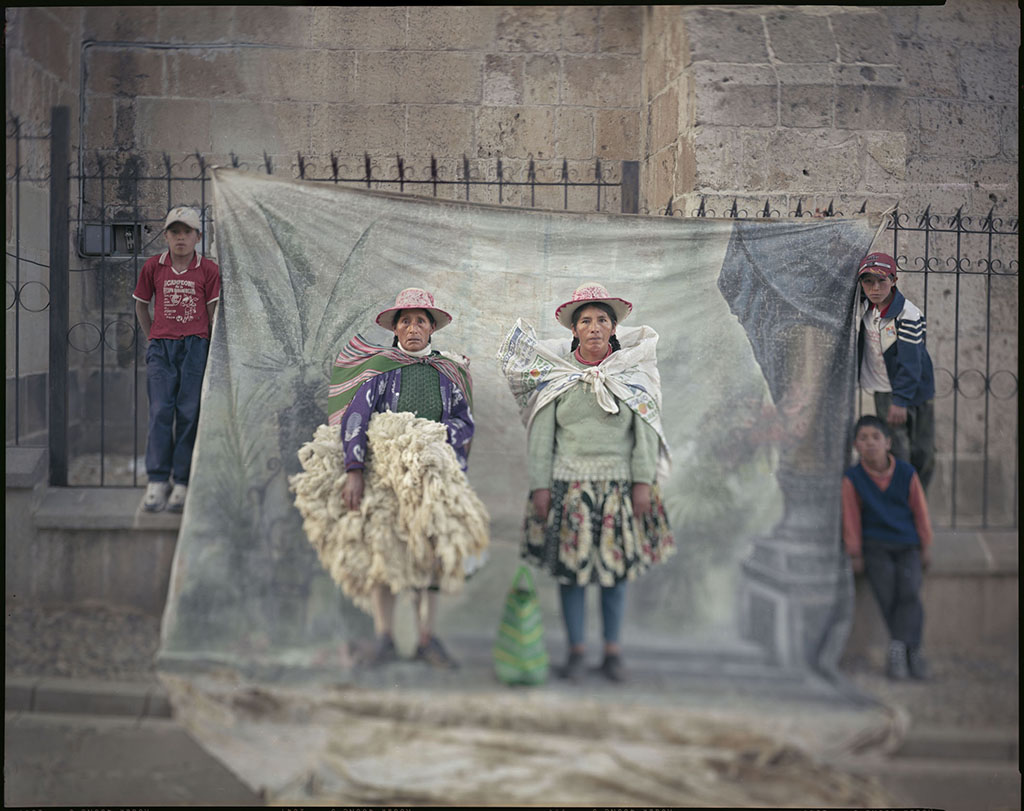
x=121, y=239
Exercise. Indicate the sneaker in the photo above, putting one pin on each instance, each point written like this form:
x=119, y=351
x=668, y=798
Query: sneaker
x=896, y=664
x=573, y=668
x=612, y=667
x=917, y=664
x=434, y=654
x=156, y=496
x=176, y=503
x=384, y=653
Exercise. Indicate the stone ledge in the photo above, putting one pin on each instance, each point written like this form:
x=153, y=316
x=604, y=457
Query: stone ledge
x=86, y=697
x=26, y=467
x=100, y=508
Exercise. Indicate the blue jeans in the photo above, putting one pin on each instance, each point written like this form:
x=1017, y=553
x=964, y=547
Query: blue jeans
x=174, y=379
x=613, y=606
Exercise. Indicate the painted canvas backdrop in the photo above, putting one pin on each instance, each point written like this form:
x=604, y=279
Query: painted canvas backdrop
x=755, y=325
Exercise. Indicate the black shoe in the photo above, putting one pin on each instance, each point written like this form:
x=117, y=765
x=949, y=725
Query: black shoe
x=573, y=667
x=917, y=664
x=896, y=663
x=434, y=654
x=613, y=668
x=384, y=653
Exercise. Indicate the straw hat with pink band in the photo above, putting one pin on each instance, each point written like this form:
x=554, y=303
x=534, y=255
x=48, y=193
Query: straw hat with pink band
x=413, y=298
x=591, y=293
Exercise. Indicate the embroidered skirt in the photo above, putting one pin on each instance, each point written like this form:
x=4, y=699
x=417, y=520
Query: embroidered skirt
x=592, y=536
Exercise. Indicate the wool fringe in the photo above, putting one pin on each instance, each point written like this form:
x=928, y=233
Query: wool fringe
x=419, y=522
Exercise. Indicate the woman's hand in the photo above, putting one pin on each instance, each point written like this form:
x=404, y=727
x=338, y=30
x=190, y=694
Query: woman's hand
x=641, y=498
x=541, y=503
x=352, y=490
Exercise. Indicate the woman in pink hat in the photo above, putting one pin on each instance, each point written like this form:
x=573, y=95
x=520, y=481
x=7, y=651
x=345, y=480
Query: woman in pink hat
x=595, y=449
x=410, y=377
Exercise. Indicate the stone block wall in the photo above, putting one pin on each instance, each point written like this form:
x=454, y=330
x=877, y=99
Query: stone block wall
x=484, y=82
x=855, y=104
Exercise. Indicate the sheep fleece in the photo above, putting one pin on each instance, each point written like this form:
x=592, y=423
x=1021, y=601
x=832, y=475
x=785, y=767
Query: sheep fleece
x=419, y=518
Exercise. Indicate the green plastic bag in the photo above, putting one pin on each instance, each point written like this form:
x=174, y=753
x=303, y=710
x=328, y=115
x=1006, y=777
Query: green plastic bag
x=519, y=653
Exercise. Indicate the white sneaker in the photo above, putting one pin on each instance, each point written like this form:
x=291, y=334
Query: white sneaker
x=176, y=503
x=156, y=496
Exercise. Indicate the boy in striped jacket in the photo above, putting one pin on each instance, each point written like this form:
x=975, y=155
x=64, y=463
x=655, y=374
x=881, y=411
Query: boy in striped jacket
x=894, y=365
x=888, y=536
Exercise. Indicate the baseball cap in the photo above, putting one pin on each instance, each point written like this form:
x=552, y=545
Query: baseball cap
x=877, y=264
x=183, y=214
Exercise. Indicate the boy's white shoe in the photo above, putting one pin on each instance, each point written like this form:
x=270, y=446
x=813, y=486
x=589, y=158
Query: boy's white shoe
x=156, y=496
x=176, y=503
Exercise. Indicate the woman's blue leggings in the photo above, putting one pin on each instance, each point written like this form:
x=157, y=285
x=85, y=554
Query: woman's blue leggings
x=613, y=606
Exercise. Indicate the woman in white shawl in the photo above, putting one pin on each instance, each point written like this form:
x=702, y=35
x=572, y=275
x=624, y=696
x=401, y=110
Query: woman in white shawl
x=595, y=513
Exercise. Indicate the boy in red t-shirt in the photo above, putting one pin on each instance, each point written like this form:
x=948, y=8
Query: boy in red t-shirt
x=184, y=288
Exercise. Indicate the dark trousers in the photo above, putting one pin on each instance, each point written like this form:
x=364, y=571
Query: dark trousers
x=895, y=577
x=914, y=441
x=613, y=607
x=174, y=380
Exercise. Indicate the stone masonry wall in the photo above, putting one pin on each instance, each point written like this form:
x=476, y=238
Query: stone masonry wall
x=484, y=82
x=908, y=104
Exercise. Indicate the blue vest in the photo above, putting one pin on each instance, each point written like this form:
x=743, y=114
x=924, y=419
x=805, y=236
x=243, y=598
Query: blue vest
x=885, y=516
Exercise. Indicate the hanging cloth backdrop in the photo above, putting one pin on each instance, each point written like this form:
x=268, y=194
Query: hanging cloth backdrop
x=754, y=320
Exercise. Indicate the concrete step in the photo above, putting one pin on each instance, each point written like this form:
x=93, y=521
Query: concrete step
x=961, y=745
x=37, y=694
x=75, y=760
x=947, y=783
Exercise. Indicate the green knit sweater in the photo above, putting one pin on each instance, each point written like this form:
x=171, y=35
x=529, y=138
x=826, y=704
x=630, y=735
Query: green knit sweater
x=573, y=438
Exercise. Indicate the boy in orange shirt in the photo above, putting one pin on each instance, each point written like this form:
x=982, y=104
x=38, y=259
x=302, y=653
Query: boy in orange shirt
x=888, y=535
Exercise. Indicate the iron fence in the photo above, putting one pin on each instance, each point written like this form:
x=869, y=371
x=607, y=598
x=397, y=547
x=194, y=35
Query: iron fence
x=94, y=379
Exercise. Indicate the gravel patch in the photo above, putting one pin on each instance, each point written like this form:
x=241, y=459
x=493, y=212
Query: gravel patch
x=967, y=690
x=82, y=641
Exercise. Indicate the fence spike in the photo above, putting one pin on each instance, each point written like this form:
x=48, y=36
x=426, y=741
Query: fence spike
x=366, y=163
x=167, y=163
x=830, y=211
x=863, y=207
x=200, y=160
x=926, y=217
x=267, y=163
x=767, y=209
x=799, y=207
x=668, y=208
x=334, y=166
x=234, y=161
x=734, y=211
x=302, y=166
x=956, y=219
x=597, y=169
x=988, y=223
x=701, y=210
x=565, y=170
x=433, y=168
x=499, y=170
x=531, y=172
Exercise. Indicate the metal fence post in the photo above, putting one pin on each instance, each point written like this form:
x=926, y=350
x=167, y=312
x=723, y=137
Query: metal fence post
x=60, y=199
x=630, y=187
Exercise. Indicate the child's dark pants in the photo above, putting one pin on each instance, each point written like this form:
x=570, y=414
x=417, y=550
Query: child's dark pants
x=174, y=379
x=895, y=577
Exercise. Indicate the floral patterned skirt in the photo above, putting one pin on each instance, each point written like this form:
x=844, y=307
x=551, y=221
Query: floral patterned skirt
x=592, y=536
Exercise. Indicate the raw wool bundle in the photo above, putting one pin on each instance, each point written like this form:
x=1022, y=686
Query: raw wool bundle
x=419, y=520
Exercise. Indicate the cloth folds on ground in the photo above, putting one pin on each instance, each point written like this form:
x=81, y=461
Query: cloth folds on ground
x=419, y=522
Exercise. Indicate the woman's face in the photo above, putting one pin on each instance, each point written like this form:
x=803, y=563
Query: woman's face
x=594, y=329
x=413, y=328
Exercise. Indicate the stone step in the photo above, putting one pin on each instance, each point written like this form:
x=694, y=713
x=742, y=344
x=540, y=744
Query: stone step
x=967, y=745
